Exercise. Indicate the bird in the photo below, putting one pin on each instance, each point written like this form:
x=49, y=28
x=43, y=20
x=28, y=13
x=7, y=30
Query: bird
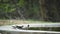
x=19, y=27
x=28, y=26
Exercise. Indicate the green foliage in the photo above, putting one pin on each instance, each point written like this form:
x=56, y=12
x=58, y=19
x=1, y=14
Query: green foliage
x=35, y=10
x=0, y=0
x=7, y=8
x=5, y=0
x=21, y=3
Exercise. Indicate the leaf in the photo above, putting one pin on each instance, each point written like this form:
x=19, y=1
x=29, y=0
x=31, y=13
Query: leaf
x=11, y=10
x=21, y=3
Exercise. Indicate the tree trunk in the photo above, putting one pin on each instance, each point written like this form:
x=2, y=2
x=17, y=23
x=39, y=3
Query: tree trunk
x=42, y=9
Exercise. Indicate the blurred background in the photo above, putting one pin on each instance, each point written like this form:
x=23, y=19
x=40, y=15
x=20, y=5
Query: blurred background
x=29, y=11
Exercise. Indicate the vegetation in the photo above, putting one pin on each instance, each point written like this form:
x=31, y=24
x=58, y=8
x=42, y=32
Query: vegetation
x=44, y=10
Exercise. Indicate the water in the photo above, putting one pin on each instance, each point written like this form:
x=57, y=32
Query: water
x=45, y=28
x=52, y=29
x=30, y=33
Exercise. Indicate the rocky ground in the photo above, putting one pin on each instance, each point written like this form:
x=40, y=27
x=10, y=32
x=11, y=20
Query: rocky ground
x=10, y=22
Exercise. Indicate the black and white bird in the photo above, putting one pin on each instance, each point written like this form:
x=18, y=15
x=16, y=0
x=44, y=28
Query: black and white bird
x=19, y=27
x=28, y=26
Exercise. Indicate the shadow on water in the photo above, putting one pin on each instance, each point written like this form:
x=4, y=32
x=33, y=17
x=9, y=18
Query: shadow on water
x=44, y=28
